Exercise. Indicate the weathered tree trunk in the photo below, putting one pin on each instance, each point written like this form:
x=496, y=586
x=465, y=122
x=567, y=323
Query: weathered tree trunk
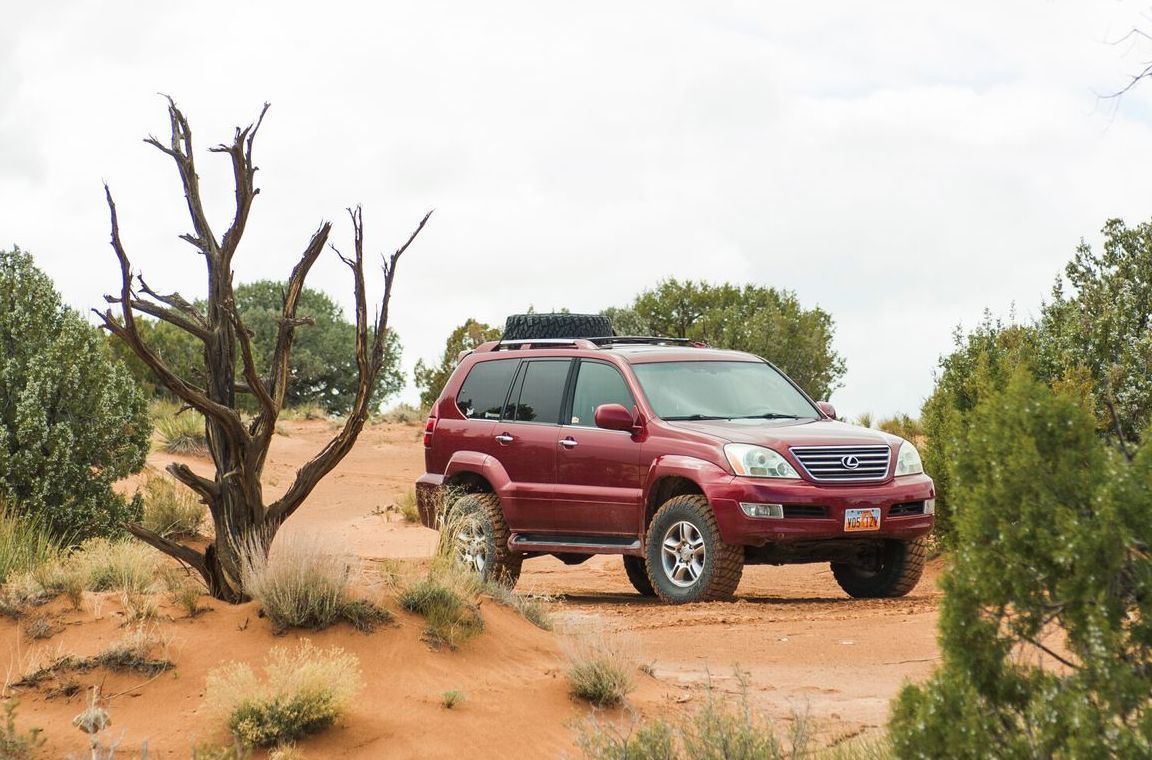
x=244, y=524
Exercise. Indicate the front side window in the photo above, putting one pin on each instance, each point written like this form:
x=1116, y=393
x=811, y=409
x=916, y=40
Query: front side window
x=483, y=392
x=597, y=383
x=721, y=390
x=539, y=392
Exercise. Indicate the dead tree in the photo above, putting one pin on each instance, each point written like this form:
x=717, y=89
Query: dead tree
x=239, y=447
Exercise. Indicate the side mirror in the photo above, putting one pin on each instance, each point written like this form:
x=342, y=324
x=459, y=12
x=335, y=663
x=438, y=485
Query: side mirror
x=828, y=409
x=614, y=417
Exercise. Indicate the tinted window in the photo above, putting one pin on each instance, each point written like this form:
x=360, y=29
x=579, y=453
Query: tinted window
x=597, y=383
x=541, y=392
x=483, y=391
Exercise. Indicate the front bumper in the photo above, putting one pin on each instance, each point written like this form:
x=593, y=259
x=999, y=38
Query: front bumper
x=823, y=508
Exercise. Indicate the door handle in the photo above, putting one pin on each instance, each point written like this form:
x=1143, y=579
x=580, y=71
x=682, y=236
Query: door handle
x=504, y=438
x=569, y=442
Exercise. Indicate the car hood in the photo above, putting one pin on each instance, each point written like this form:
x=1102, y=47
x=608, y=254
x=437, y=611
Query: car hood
x=780, y=434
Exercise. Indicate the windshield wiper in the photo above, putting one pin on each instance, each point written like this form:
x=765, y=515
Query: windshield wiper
x=694, y=418
x=768, y=416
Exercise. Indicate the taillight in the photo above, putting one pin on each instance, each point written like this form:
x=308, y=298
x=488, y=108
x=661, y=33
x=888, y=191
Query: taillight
x=429, y=429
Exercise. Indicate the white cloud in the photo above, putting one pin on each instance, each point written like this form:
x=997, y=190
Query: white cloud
x=900, y=166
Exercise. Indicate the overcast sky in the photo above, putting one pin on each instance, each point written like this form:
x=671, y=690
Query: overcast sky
x=901, y=164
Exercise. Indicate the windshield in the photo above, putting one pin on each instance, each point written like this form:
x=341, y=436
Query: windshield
x=721, y=390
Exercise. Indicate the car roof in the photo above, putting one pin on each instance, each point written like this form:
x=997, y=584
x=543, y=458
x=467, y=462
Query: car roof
x=643, y=351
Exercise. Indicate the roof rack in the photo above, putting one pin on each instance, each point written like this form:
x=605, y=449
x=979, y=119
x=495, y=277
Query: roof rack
x=651, y=340
x=504, y=345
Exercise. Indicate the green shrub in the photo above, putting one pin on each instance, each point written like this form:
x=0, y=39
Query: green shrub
x=25, y=543
x=300, y=586
x=14, y=744
x=600, y=668
x=183, y=433
x=450, y=616
x=304, y=691
x=171, y=509
x=72, y=421
x=1047, y=614
x=450, y=699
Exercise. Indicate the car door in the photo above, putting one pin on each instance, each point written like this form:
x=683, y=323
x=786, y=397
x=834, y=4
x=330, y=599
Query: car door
x=598, y=478
x=525, y=439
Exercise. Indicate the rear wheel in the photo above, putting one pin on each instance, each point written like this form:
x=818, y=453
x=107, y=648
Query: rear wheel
x=475, y=535
x=686, y=559
x=637, y=571
x=895, y=571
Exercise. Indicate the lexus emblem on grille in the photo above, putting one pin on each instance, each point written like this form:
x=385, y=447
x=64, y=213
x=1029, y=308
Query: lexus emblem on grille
x=850, y=462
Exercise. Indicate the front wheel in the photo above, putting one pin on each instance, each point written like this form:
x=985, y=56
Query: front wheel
x=686, y=559
x=894, y=571
x=475, y=536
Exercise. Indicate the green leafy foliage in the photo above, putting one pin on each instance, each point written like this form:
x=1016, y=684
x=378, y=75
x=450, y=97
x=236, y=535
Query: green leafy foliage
x=432, y=379
x=764, y=321
x=1046, y=625
x=322, y=367
x=71, y=419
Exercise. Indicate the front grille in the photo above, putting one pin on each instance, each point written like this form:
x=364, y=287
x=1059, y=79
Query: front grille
x=908, y=508
x=805, y=510
x=832, y=464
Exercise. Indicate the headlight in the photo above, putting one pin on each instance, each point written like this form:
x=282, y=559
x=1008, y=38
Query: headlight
x=758, y=462
x=908, y=462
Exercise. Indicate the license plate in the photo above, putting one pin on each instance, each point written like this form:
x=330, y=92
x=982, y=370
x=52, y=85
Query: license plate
x=861, y=519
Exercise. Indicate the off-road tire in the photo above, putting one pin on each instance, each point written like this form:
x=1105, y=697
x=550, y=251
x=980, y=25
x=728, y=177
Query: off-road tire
x=529, y=326
x=637, y=571
x=503, y=565
x=901, y=565
x=723, y=563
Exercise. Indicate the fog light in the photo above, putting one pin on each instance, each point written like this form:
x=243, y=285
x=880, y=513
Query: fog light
x=762, y=510
x=929, y=506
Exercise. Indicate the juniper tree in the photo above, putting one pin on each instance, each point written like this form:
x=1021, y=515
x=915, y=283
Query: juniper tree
x=1046, y=622
x=71, y=420
x=243, y=520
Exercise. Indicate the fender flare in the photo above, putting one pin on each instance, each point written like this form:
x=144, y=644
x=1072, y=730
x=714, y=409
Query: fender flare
x=477, y=463
x=703, y=473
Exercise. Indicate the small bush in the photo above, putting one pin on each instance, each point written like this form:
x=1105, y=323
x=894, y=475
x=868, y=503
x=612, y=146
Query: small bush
x=600, y=740
x=404, y=414
x=908, y=428
x=39, y=627
x=865, y=420
x=600, y=668
x=451, y=618
x=408, y=508
x=15, y=745
x=25, y=543
x=303, y=691
x=300, y=586
x=170, y=509
x=450, y=699
x=106, y=565
x=183, y=433
x=305, y=411
x=132, y=654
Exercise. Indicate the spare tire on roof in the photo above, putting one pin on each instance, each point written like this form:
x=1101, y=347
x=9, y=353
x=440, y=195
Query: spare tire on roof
x=532, y=326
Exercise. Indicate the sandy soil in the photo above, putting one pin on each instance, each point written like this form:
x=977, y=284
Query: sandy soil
x=801, y=645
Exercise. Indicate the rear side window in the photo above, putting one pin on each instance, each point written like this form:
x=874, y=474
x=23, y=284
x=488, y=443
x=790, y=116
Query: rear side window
x=597, y=383
x=539, y=392
x=483, y=392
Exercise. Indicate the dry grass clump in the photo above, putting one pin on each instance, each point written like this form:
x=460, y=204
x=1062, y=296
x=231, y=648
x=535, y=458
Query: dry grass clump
x=304, y=691
x=299, y=585
x=446, y=600
x=182, y=433
x=404, y=414
x=407, y=506
x=601, y=667
x=907, y=427
x=110, y=565
x=532, y=608
x=170, y=509
x=307, y=411
x=40, y=627
x=133, y=654
x=451, y=698
x=25, y=542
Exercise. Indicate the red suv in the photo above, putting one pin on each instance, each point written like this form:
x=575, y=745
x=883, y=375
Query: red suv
x=690, y=462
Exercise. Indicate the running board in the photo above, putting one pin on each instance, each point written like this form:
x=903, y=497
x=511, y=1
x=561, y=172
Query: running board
x=551, y=544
